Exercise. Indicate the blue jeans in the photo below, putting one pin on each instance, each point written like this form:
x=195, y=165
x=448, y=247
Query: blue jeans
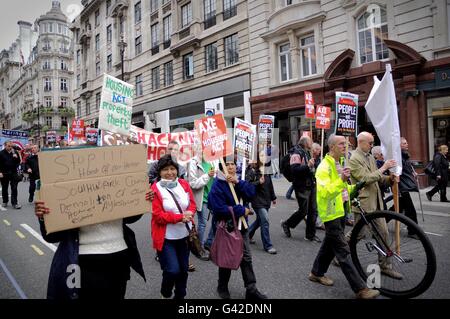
x=174, y=260
x=290, y=191
x=262, y=220
x=201, y=222
x=212, y=232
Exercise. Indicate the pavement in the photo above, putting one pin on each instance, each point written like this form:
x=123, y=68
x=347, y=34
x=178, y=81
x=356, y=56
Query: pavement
x=25, y=259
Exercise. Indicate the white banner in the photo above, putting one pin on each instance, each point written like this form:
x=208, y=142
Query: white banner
x=116, y=106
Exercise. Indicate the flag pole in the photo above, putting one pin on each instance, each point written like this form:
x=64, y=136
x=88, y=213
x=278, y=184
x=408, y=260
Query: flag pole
x=321, y=147
x=397, y=210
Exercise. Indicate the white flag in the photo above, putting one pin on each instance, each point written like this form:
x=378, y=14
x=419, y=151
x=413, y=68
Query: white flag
x=381, y=107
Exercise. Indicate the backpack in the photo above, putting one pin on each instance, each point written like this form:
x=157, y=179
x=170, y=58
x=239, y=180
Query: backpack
x=285, y=166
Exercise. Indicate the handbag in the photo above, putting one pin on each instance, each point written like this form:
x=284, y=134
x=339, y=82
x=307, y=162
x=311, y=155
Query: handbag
x=227, y=248
x=430, y=170
x=194, y=244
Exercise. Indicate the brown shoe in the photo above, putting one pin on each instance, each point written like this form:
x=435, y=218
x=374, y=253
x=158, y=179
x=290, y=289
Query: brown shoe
x=324, y=280
x=391, y=273
x=367, y=293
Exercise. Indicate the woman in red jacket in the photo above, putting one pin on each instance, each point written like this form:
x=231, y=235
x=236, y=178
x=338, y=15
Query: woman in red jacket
x=172, y=213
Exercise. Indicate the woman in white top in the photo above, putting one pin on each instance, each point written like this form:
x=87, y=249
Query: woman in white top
x=172, y=210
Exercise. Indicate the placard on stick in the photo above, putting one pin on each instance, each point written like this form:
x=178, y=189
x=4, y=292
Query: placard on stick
x=92, y=185
x=212, y=131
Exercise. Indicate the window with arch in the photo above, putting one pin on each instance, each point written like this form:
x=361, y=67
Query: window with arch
x=372, y=28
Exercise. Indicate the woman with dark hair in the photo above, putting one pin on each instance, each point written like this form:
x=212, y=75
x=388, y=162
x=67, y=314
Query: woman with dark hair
x=265, y=196
x=221, y=202
x=172, y=214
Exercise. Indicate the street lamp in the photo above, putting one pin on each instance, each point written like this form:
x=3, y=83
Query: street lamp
x=122, y=45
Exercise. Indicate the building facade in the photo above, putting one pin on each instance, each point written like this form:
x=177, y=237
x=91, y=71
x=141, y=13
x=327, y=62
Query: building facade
x=339, y=45
x=41, y=99
x=178, y=54
x=11, y=62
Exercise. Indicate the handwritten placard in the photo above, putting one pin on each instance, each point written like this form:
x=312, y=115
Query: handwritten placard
x=93, y=185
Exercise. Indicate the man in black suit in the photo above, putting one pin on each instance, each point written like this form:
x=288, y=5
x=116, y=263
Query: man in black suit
x=9, y=162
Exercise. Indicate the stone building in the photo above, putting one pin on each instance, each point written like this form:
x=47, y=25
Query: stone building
x=339, y=45
x=41, y=99
x=177, y=53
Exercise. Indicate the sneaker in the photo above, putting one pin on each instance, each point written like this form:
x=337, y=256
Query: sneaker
x=272, y=251
x=204, y=255
x=286, y=229
x=16, y=206
x=324, y=280
x=252, y=241
x=206, y=247
x=223, y=292
x=391, y=273
x=254, y=294
x=4, y=204
x=3, y=209
x=367, y=293
x=314, y=239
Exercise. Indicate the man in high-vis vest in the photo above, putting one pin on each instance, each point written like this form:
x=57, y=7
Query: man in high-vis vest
x=332, y=191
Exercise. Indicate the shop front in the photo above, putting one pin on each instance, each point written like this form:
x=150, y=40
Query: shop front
x=423, y=102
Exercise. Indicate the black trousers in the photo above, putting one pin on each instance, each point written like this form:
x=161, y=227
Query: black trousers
x=32, y=188
x=440, y=187
x=407, y=208
x=334, y=244
x=9, y=179
x=104, y=276
x=248, y=275
x=307, y=206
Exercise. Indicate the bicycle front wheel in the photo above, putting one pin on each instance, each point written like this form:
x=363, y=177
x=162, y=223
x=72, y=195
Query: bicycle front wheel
x=397, y=265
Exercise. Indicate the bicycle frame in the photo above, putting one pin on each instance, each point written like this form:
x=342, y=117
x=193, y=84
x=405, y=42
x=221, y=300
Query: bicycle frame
x=387, y=251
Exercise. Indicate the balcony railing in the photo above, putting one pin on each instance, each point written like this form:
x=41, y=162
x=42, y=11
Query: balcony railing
x=166, y=44
x=155, y=49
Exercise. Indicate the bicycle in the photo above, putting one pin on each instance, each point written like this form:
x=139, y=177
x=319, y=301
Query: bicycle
x=414, y=259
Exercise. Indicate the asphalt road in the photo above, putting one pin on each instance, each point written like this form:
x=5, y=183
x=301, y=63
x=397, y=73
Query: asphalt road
x=25, y=261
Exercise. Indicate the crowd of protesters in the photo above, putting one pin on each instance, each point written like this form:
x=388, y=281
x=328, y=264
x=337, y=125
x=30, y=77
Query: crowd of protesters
x=200, y=192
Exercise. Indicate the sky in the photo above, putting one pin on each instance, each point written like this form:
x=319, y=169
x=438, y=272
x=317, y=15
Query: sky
x=29, y=10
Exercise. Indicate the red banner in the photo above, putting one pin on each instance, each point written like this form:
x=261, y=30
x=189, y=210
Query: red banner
x=323, y=117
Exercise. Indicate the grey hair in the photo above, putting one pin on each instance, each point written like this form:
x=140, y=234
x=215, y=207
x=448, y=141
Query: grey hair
x=331, y=140
x=304, y=140
x=376, y=150
x=315, y=145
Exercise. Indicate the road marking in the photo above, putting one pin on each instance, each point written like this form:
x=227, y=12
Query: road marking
x=13, y=281
x=21, y=236
x=433, y=234
x=37, y=250
x=7, y=222
x=38, y=237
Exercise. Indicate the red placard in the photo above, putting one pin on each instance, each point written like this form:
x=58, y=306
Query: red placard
x=323, y=117
x=77, y=128
x=212, y=131
x=309, y=105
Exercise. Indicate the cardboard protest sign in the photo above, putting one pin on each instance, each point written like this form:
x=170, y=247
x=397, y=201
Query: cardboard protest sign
x=265, y=131
x=323, y=117
x=309, y=105
x=156, y=142
x=212, y=132
x=115, y=106
x=346, y=114
x=92, y=185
